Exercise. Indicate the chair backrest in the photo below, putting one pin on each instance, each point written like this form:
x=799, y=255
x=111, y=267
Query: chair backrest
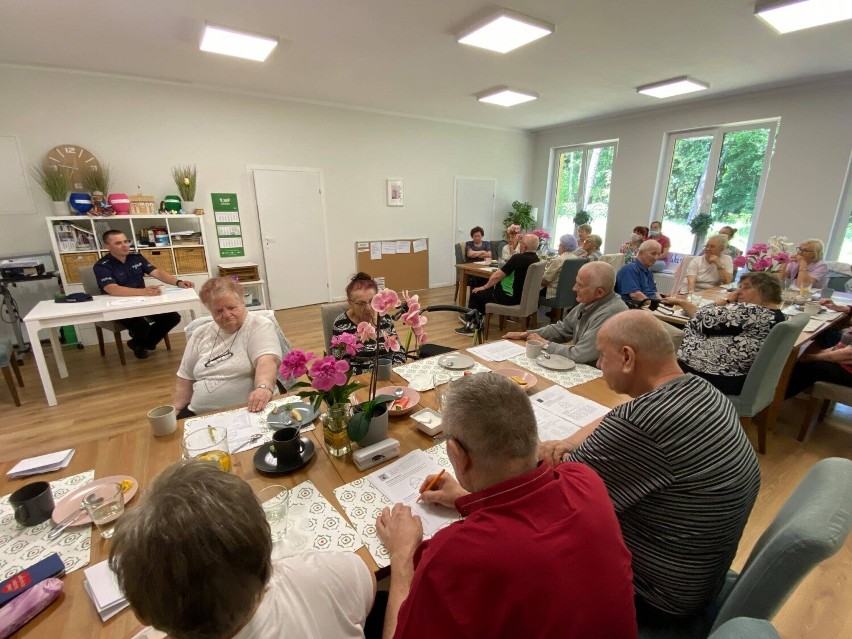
x=811, y=526
x=565, y=296
x=89, y=281
x=497, y=249
x=615, y=260
x=762, y=379
x=532, y=286
x=680, y=273
x=745, y=628
x=459, y=259
x=329, y=313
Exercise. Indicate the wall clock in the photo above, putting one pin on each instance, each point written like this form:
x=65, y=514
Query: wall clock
x=73, y=159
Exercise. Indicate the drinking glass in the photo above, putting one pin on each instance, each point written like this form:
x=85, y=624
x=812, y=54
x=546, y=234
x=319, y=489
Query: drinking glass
x=805, y=292
x=441, y=382
x=275, y=501
x=209, y=444
x=104, y=504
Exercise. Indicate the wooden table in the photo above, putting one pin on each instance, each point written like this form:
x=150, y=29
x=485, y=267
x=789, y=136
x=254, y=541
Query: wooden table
x=138, y=454
x=476, y=269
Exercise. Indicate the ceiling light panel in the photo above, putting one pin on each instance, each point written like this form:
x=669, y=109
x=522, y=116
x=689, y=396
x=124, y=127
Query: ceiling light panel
x=504, y=96
x=249, y=46
x=505, y=31
x=672, y=87
x=795, y=15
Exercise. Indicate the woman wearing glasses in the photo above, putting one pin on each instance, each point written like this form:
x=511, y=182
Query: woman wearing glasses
x=807, y=267
x=232, y=360
x=359, y=293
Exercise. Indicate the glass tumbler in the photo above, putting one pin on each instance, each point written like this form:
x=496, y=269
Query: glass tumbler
x=209, y=444
x=275, y=501
x=104, y=504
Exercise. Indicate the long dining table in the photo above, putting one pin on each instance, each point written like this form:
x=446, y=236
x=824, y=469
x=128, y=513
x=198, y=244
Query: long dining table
x=475, y=269
x=142, y=456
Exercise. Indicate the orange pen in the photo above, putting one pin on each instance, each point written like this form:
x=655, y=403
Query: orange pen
x=431, y=484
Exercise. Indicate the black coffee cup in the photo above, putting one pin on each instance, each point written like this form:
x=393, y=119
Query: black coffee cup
x=287, y=444
x=33, y=503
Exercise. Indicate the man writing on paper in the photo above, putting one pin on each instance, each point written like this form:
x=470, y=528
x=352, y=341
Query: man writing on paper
x=678, y=466
x=538, y=553
x=122, y=273
x=597, y=303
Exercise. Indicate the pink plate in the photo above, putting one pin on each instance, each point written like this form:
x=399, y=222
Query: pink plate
x=71, y=502
x=529, y=379
x=412, y=395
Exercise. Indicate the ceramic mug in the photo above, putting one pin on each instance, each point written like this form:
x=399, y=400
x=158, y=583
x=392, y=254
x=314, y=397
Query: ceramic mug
x=384, y=369
x=287, y=444
x=534, y=349
x=812, y=308
x=163, y=420
x=33, y=503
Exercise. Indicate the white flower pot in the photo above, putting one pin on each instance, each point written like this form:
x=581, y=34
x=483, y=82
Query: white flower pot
x=60, y=208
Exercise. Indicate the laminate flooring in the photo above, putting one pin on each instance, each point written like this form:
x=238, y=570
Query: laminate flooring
x=101, y=398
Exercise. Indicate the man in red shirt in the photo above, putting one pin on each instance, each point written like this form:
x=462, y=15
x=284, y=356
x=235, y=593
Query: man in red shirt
x=539, y=551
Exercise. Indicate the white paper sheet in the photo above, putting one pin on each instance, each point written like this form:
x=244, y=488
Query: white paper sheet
x=400, y=483
x=375, y=250
x=127, y=301
x=497, y=351
x=42, y=463
x=362, y=247
x=389, y=248
x=552, y=426
x=419, y=246
x=403, y=246
x=577, y=410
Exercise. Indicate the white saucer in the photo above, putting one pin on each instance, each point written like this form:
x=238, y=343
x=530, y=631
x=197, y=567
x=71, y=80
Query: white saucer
x=555, y=362
x=456, y=361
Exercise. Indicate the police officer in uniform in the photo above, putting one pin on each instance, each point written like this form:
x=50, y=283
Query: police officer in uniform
x=122, y=273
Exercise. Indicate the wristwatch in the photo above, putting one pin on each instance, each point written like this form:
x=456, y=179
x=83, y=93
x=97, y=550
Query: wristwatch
x=177, y=282
x=265, y=387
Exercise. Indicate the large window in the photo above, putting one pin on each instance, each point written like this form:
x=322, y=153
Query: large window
x=720, y=171
x=582, y=179
x=840, y=247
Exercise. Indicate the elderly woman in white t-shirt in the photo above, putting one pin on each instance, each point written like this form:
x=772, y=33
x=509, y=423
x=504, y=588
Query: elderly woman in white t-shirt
x=232, y=360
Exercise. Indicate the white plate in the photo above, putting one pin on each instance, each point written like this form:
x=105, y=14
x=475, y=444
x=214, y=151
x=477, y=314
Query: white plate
x=456, y=361
x=555, y=362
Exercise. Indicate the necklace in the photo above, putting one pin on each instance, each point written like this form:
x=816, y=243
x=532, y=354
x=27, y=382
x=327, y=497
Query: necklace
x=228, y=354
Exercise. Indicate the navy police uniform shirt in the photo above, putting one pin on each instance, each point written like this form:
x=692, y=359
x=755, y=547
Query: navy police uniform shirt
x=131, y=273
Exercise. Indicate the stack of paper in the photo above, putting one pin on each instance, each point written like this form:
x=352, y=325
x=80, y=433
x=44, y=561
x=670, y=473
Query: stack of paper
x=560, y=413
x=498, y=351
x=42, y=464
x=101, y=585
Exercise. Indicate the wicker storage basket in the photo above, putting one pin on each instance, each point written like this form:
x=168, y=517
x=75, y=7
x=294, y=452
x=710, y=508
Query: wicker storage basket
x=245, y=273
x=191, y=260
x=72, y=261
x=161, y=258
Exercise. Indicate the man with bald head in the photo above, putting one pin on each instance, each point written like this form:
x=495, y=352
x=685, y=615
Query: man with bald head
x=596, y=303
x=506, y=283
x=678, y=467
x=635, y=281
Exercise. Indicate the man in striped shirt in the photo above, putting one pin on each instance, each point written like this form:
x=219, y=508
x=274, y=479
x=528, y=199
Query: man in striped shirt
x=678, y=467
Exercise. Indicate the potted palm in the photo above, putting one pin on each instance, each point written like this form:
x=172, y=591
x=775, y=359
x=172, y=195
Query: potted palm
x=55, y=184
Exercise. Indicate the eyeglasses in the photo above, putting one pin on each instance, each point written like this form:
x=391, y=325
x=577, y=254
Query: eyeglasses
x=358, y=304
x=219, y=358
x=804, y=250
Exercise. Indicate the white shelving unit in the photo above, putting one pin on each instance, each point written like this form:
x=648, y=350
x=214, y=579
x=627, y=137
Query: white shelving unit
x=257, y=295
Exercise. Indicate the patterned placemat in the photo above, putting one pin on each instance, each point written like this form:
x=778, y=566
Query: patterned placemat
x=579, y=374
x=419, y=374
x=363, y=503
x=21, y=547
x=313, y=524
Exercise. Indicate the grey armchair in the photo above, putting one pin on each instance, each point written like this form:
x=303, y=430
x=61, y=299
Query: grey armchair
x=745, y=628
x=811, y=526
x=329, y=312
x=565, y=296
x=764, y=375
x=528, y=306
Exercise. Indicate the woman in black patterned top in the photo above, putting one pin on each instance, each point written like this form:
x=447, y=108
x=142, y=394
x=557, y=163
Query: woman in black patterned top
x=721, y=340
x=359, y=293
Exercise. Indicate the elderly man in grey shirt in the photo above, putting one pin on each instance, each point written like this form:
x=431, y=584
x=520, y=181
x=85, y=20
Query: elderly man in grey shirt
x=574, y=336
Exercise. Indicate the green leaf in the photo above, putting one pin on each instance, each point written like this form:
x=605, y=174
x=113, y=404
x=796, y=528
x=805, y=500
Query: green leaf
x=359, y=425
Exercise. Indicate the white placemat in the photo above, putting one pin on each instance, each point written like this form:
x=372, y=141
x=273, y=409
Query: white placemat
x=21, y=547
x=579, y=374
x=313, y=524
x=362, y=502
x=419, y=374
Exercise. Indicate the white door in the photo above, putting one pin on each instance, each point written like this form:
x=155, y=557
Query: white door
x=290, y=209
x=475, y=207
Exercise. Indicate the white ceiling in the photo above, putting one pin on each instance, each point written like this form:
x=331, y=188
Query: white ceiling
x=401, y=56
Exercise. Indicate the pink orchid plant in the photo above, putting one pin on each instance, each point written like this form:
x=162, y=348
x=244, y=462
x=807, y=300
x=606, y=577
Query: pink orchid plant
x=330, y=376
x=541, y=234
x=762, y=257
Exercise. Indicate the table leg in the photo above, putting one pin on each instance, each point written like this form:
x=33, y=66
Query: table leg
x=43, y=371
x=57, y=352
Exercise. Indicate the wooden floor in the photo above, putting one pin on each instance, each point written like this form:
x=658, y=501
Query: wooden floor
x=101, y=397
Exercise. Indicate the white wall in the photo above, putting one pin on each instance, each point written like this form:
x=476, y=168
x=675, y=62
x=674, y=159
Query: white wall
x=142, y=129
x=805, y=178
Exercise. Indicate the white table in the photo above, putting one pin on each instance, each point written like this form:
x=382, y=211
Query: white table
x=103, y=308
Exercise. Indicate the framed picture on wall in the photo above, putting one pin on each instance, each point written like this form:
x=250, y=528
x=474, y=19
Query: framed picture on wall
x=395, y=193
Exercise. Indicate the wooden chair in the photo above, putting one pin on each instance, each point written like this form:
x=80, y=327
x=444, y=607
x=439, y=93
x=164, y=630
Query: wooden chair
x=90, y=287
x=459, y=276
x=528, y=306
x=826, y=393
x=8, y=360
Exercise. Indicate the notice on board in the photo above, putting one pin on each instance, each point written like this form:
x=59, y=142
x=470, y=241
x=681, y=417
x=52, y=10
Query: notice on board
x=388, y=248
x=375, y=250
x=419, y=246
x=403, y=246
x=362, y=247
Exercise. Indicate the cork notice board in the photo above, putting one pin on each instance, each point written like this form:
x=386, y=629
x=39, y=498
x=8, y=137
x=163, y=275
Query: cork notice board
x=403, y=263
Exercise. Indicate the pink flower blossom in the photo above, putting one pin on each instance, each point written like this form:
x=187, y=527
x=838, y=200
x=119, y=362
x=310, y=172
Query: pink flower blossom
x=513, y=228
x=295, y=363
x=740, y=261
x=421, y=337
x=384, y=300
x=366, y=331
x=542, y=235
x=782, y=258
x=761, y=248
x=349, y=342
x=763, y=264
x=391, y=342
x=328, y=372
x=413, y=318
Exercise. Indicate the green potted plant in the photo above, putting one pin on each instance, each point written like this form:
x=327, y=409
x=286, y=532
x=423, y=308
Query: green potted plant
x=185, y=178
x=98, y=181
x=582, y=217
x=521, y=214
x=56, y=185
x=699, y=225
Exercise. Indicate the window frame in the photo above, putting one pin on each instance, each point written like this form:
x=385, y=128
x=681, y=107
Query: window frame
x=718, y=137
x=842, y=218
